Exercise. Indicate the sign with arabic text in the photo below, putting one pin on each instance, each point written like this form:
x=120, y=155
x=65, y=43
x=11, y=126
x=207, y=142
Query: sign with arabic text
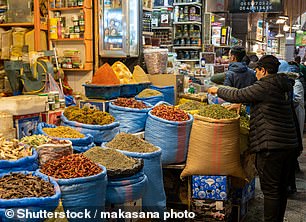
x=249, y=6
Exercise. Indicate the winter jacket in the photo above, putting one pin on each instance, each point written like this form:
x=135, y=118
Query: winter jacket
x=271, y=125
x=239, y=75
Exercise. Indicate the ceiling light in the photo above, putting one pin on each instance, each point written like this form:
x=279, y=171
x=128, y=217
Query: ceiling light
x=286, y=28
x=300, y=31
x=221, y=19
x=280, y=21
x=295, y=27
x=279, y=35
x=283, y=17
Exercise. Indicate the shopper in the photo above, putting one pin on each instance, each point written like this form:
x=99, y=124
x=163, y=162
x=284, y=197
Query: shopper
x=291, y=69
x=238, y=74
x=302, y=66
x=273, y=135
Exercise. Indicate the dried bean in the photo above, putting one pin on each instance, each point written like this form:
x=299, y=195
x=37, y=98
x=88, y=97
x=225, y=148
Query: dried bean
x=131, y=103
x=170, y=113
x=18, y=185
x=71, y=166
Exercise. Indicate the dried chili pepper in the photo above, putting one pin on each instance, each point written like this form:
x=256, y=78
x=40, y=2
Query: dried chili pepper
x=71, y=166
x=131, y=103
x=170, y=113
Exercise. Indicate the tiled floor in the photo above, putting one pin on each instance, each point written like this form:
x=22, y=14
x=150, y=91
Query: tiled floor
x=296, y=207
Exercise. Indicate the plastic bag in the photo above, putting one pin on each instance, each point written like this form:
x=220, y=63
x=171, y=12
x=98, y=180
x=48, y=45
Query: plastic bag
x=51, y=85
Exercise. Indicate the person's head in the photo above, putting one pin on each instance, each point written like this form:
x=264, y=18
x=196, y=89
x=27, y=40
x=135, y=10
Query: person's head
x=267, y=64
x=246, y=60
x=297, y=59
x=237, y=53
x=253, y=58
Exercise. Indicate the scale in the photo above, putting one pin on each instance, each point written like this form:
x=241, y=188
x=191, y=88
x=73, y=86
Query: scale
x=25, y=78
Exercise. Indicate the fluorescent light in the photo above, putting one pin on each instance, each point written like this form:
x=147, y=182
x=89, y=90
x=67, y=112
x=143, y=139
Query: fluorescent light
x=280, y=21
x=289, y=37
x=300, y=31
x=283, y=17
x=221, y=19
x=279, y=35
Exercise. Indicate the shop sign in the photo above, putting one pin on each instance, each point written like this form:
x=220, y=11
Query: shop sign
x=300, y=39
x=249, y=6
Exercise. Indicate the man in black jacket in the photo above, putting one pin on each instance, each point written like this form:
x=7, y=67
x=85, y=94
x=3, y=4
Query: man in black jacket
x=239, y=75
x=273, y=135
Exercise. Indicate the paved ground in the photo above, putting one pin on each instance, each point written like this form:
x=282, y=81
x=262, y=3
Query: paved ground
x=296, y=207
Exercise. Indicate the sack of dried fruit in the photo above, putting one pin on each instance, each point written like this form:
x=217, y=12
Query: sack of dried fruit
x=130, y=113
x=169, y=128
x=214, y=143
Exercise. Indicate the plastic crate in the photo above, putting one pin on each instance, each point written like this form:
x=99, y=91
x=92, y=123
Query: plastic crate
x=142, y=86
x=101, y=92
x=128, y=90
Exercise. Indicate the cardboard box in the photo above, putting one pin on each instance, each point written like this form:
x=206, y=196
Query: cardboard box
x=210, y=187
x=99, y=104
x=169, y=80
x=52, y=117
x=26, y=124
x=211, y=210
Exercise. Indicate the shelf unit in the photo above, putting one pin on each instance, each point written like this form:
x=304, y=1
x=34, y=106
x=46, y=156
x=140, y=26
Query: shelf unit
x=84, y=44
x=187, y=31
x=39, y=24
x=165, y=28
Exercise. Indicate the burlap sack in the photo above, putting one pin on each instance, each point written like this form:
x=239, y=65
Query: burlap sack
x=214, y=148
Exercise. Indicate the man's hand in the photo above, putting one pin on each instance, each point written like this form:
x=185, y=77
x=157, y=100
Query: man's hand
x=213, y=90
x=234, y=106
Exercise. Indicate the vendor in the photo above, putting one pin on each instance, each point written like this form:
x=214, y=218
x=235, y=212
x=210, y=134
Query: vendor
x=273, y=135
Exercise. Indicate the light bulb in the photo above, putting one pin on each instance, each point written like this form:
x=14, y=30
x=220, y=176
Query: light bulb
x=286, y=28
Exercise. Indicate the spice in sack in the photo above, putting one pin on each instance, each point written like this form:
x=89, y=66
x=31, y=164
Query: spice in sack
x=192, y=105
x=110, y=158
x=131, y=143
x=88, y=116
x=148, y=93
x=63, y=132
x=13, y=149
x=18, y=185
x=216, y=111
x=72, y=166
x=245, y=122
x=170, y=113
x=130, y=103
x=35, y=140
x=105, y=76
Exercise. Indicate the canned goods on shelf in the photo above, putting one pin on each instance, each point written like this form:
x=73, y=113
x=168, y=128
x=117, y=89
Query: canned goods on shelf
x=51, y=105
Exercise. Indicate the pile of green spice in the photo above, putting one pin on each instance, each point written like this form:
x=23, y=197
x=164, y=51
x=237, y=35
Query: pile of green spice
x=216, y=111
x=192, y=105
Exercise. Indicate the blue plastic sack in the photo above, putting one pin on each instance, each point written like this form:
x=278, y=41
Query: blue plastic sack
x=167, y=91
x=83, y=193
x=131, y=120
x=28, y=163
x=123, y=190
x=154, y=197
x=171, y=136
x=79, y=144
x=100, y=133
x=32, y=204
x=152, y=99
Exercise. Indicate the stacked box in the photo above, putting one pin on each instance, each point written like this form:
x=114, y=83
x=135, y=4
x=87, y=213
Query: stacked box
x=210, y=187
x=211, y=210
x=102, y=105
x=26, y=124
x=52, y=117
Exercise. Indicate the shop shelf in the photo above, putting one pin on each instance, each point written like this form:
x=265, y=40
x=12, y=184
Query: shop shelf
x=77, y=70
x=162, y=27
x=187, y=23
x=187, y=60
x=187, y=47
x=59, y=40
x=148, y=33
x=67, y=8
x=159, y=7
x=20, y=24
x=188, y=3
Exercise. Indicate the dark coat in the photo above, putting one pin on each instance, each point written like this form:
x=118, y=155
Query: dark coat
x=271, y=124
x=239, y=75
